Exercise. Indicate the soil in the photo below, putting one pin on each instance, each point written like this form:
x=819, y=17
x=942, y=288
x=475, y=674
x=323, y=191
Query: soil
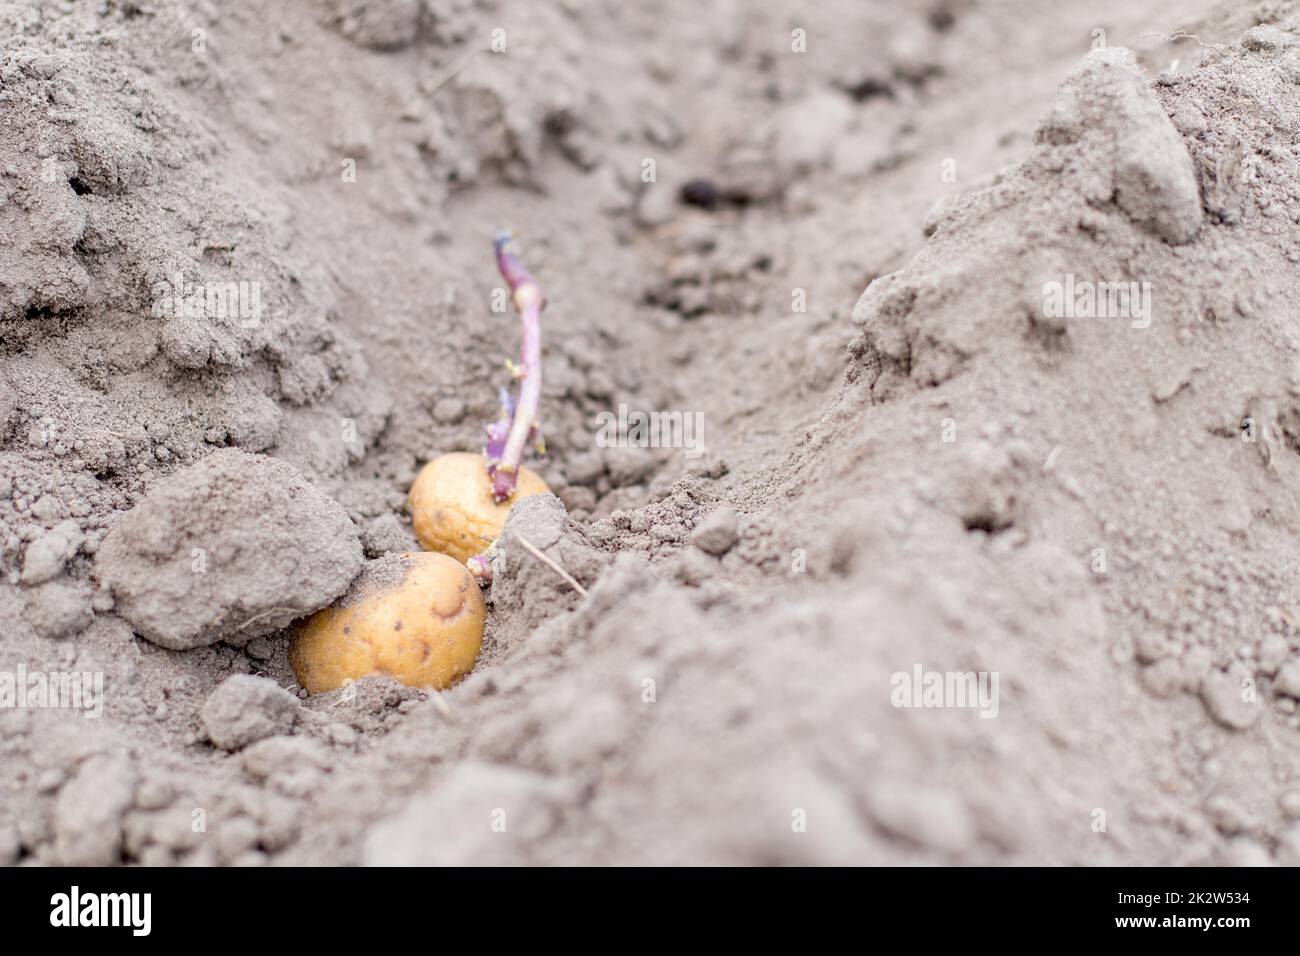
x=247, y=290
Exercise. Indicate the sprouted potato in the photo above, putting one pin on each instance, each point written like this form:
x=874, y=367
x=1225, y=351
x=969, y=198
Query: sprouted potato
x=452, y=508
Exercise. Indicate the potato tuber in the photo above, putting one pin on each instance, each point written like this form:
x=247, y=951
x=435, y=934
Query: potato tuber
x=452, y=507
x=417, y=618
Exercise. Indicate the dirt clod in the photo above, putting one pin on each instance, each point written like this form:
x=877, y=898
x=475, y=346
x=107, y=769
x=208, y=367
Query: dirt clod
x=231, y=548
x=245, y=709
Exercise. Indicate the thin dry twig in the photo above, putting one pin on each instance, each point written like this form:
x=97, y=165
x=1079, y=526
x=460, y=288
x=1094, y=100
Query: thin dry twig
x=268, y=611
x=1184, y=35
x=551, y=563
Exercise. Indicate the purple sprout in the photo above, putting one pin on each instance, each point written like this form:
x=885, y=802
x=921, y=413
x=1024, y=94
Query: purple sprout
x=511, y=434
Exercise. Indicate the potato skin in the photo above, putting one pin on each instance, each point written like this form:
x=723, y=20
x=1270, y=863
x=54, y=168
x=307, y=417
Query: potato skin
x=424, y=630
x=451, y=504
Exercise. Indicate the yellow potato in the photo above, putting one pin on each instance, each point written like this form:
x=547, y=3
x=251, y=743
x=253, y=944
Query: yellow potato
x=417, y=618
x=451, y=504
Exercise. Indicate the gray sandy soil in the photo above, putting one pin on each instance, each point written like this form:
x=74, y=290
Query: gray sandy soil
x=913, y=463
